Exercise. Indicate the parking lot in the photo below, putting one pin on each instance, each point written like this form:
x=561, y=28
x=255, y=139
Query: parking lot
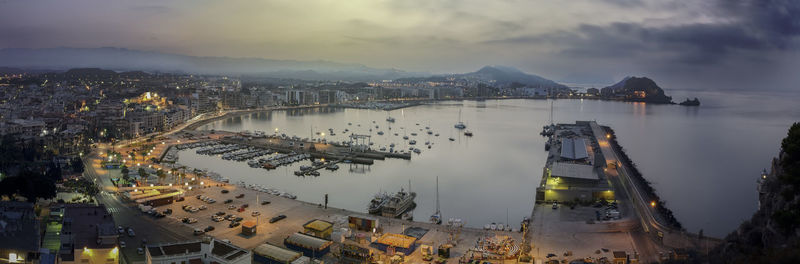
x=562, y=230
x=297, y=213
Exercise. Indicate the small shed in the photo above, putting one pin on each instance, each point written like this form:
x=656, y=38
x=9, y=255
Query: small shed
x=248, y=228
x=362, y=223
x=396, y=242
x=318, y=228
x=620, y=257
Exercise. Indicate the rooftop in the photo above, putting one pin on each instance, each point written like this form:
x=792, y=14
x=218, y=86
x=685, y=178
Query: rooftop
x=573, y=148
x=397, y=240
x=304, y=240
x=318, y=225
x=277, y=253
x=571, y=170
x=84, y=223
x=18, y=226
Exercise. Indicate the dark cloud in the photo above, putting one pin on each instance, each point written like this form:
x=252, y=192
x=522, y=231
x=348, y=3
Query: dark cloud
x=750, y=25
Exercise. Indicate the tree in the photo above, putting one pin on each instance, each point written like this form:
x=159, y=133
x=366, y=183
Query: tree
x=28, y=184
x=53, y=172
x=142, y=173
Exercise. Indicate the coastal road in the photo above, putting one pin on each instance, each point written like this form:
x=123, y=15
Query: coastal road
x=126, y=214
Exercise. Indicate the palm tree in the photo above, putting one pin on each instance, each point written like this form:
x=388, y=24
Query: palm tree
x=142, y=173
x=174, y=173
x=161, y=175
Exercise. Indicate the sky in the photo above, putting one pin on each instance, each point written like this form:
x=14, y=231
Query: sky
x=682, y=44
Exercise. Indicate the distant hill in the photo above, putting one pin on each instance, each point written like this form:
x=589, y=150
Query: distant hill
x=11, y=70
x=119, y=59
x=508, y=75
x=637, y=89
x=498, y=76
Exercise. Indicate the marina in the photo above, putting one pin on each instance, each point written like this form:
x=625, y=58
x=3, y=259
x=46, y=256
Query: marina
x=462, y=164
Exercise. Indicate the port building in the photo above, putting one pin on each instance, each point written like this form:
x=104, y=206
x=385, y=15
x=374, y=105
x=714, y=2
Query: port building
x=575, y=168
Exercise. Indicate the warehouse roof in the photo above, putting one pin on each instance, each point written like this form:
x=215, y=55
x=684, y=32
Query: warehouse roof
x=572, y=170
x=573, y=148
x=307, y=241
x=277, y=253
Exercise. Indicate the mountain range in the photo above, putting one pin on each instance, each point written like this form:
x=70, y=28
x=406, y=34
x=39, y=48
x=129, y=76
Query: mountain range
x=120, y=59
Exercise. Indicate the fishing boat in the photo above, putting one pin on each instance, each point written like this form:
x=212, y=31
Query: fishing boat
x=408, y=216
x=398, y=204
x=377, y=203
x=452, y=139
x=380, y=133
x=460, y=125
x=332, y=166
x=436, y=218
x=412, y=142
x=468, y=133
x=390, y=119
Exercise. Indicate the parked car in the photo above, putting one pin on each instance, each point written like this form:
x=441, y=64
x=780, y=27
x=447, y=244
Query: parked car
x=245, y=205
x=122, y=244
x=167, y=211
x=225, y=191
x=234, y=224
x=220, y=213
x=265, y=202
x=241, y=195
x=555, y=205
x=277, y=218
x=241, y=209
x=140, y=251
x=216, y=218
x=238, y=219
x=228, y=201
x=198, y=232
x=202, y=207
x=255, y=213
x=209, y=229
x=231, y=207
x=120, y=230
x=180, y=199
x=131, y=233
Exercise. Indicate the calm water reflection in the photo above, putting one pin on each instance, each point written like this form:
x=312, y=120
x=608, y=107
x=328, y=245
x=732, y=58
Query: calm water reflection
x=703, y=161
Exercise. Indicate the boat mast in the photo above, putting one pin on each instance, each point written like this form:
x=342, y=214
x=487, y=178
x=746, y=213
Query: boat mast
x=437, y=194
x=551, y=112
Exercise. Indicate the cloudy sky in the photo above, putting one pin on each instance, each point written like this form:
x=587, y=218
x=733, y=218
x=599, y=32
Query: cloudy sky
x=689, y=44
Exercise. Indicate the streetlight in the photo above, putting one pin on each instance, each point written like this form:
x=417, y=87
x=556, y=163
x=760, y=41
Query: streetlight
x=653, y=204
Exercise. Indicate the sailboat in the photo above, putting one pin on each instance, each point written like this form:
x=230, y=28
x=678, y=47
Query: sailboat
x=460, y=125
x=436, y=218
x=389, y=118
